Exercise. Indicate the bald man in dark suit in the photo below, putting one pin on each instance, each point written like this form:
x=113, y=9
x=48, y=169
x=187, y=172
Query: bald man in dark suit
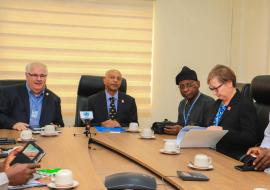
x=111, y=107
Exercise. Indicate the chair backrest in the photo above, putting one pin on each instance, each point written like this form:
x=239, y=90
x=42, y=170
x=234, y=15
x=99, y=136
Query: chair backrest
x=88, y=86
x=245, y=90
x=260, y=91
x=5, y=83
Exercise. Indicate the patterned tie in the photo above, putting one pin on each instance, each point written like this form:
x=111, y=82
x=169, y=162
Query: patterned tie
x=112, y=110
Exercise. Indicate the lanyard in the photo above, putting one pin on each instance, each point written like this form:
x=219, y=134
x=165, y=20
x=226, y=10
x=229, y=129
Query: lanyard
x=219, y=114
x=191, y=107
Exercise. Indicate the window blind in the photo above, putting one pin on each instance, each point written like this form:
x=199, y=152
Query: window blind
x=82, y=37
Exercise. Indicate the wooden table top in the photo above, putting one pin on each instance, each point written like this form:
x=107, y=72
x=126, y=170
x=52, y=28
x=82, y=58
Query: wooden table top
x=147, y=153
x=68, y=152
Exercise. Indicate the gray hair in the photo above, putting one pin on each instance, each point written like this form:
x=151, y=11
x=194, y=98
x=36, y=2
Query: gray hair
x=30, y=66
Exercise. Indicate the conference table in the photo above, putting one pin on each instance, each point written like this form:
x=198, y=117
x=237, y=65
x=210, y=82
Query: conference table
x=66, y=151
x=72, y=152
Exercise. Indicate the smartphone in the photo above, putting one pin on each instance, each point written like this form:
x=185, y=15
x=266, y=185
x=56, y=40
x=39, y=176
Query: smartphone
x=192, y=176
x=31, y=153
x=245, y=168
x=3, y=154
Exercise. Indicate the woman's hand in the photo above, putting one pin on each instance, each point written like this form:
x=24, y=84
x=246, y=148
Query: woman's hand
x=214, y=128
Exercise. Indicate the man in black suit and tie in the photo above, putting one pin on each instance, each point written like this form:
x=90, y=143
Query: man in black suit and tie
x=30, y=104
x=111, y=107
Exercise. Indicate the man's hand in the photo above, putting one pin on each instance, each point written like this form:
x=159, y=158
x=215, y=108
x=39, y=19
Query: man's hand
x=254, y=151
x=11, y=157
x=20, y=126
x=263, y=157
x=214, y=128
x=172, y=130
x=20, y=173
x=110, y=123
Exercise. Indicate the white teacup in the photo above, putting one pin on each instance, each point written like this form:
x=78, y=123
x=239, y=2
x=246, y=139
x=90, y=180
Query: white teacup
x=63, y=178
x=49, y=129
x=26, y=134
x=202, y=161
x=147, y=132
x=133, y=126
x=170, y=146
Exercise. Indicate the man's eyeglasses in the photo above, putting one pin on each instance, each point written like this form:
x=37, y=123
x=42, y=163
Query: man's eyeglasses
x=42, y=76
x=215, y=88
x=187, y=85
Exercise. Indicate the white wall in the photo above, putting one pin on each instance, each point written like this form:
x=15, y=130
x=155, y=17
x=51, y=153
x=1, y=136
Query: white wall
x=186, y=32
x=201, y=34
x=251, y=38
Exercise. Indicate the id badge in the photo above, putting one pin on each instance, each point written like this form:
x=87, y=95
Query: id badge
x=34, y=114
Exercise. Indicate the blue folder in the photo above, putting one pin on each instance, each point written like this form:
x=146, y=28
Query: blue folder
x=109, y=129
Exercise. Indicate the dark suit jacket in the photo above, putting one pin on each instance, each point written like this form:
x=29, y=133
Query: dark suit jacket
x=15, y=107
x=126, y=108
x=241, y=119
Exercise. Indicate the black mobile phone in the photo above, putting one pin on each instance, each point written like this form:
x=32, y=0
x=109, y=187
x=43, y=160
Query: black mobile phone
x=245, y=168
x=3, y=154
x=31, y=153
x=247, y=159
x=192, y=176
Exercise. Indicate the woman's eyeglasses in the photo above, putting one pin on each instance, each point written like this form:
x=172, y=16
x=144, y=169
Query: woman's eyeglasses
x=216, y=88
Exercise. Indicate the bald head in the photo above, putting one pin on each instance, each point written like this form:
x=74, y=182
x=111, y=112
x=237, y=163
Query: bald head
x=112, y=81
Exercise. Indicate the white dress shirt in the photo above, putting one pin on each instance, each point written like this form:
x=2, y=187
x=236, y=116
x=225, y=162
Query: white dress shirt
x=266, y=140
x=3, y=181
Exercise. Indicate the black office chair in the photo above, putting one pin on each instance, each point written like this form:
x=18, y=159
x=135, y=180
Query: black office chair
x=260, y=91
x=88, y=86
x=6, y=83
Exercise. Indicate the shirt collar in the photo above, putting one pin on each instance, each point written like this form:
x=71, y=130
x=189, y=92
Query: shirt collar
x=108, y=95
x=30, y=91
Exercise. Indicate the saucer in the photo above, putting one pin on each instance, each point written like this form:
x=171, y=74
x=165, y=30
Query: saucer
x=26, y=140
x=132, y=131
x=190, y=164
x=169, y=152
x=49, y=134
x=151, y=137
x=53, y=185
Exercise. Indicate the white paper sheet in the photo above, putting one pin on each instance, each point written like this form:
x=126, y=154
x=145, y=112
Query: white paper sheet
x=201, y=138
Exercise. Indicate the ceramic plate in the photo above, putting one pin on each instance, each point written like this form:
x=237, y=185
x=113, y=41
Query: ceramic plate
x=169, y=152
x=52, y=185
x=23, y=140
x=49, y=134
x=190, y=164
x=133, y=131
x=152, y=137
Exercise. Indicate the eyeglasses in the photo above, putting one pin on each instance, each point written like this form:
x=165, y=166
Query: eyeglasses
x=216, y=88
x=36, y=76
x=187, y=85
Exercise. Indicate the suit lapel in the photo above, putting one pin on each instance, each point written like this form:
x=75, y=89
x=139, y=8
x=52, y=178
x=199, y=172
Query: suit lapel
x=120, y=105
x=103, y=105
x=230, y=106
x=25, y=98
x=44, y=108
